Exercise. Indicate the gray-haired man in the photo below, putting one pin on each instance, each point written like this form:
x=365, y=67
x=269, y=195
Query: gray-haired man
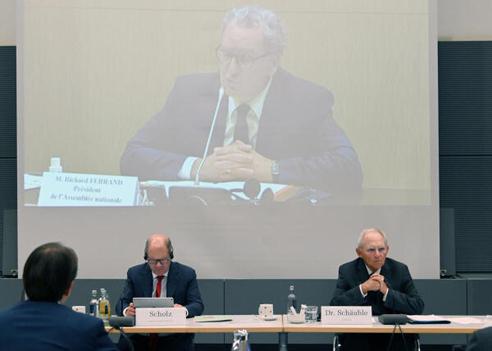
x=375, y=280
x=271, y=126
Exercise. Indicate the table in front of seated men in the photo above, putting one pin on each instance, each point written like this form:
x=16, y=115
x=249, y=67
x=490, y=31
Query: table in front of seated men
x=376, y=327
x=252, y=323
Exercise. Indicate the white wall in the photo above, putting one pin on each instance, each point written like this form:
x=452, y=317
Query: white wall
x=464, y=19
x=457, y=20
x=7, y=22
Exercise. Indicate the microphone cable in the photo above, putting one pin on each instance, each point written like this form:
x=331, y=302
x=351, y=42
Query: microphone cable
x=122, y=332
x=124, y=336
x=397, y=325
x=403, y=337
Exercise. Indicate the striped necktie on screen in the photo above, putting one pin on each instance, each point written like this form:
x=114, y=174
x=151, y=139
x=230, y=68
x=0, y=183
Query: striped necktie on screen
x=241, y=130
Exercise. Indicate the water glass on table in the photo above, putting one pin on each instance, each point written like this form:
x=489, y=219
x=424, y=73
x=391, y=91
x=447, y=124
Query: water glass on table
x=311, y=314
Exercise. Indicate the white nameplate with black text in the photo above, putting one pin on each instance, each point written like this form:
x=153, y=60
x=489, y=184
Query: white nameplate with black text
x=346, y=315
x=78, y=189
x=160, y=316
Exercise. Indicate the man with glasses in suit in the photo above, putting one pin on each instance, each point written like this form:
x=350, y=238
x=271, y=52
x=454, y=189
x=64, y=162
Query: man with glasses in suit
x=160, y=276
x=271, y=126
x=375, y=280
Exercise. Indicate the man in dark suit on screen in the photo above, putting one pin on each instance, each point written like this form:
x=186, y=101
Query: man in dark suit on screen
x=380, y=282
x=271, y=126
x=160, y=276
x=43, y=322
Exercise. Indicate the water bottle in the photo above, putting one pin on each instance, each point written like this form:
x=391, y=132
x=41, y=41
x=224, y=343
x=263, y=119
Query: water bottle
x=291, y=300
x=94, y=304
x=240, y=341
x=55, y=165
x=104, y=306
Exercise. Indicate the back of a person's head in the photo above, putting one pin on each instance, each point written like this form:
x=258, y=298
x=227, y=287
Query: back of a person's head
x=49, y=272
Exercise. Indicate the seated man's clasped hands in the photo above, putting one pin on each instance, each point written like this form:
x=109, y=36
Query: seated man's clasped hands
x=237, y=161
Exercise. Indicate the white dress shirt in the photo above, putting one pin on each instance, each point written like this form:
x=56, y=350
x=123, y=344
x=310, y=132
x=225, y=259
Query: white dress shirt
x=252, y=120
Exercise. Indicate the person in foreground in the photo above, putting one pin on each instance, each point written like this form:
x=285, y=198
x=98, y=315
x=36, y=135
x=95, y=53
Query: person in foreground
x=481, y=340
x=43, y=322
x=380, y=282
x=160, y=276
x=271, y=126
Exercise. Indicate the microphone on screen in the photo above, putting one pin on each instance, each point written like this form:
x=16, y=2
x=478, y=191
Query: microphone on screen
x=210, y=133
x=252, y=190
x=202, y=196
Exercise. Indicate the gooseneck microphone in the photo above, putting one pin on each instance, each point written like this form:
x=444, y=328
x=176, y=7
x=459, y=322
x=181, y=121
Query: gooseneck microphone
x=207, y=145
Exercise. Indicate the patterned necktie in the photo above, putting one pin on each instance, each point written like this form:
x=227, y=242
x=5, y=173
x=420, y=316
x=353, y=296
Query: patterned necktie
x=241, y=131
x=158, y=287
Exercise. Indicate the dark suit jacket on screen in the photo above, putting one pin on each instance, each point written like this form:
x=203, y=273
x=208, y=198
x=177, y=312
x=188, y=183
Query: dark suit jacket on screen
x=481, y=340
x=402, y=296
x=50, y=326
x=296, y=129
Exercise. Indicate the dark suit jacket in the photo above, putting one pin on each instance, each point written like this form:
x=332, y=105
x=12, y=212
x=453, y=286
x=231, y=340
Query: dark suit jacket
x=481, y=340
x=402, y=296
x=296, y=129
x=48, y=326
x=181, y=285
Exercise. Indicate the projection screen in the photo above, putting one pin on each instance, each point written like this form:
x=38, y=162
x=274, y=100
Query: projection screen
x=117, y=98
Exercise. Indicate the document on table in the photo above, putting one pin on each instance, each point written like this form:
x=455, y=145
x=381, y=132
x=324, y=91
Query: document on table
x=213, y=318
x=427, y=319
x=466, y=320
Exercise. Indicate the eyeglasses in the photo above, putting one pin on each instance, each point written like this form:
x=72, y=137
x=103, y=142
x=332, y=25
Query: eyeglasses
x=244, y=61
x=162, y=261
x=372, y=250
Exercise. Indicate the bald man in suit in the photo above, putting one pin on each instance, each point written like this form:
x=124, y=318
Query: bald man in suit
x=160, y=276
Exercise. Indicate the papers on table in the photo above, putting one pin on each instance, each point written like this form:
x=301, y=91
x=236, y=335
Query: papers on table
x=427, y=319
x=466, y=320
x=213, y=318
x=433, y=319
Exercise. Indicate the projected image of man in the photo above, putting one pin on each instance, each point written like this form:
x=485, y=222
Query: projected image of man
x=160, y=276
x=43, y=322
x=270, y=125
x=375, y=280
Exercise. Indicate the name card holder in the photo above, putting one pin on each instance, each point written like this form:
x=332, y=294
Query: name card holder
x=77, y=189
x=346, y=315
x=157, y=316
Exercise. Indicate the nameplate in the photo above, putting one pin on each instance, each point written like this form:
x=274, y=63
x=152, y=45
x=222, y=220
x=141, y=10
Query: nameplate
x=346, y=315
x=159, y=316
x=77, y=189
